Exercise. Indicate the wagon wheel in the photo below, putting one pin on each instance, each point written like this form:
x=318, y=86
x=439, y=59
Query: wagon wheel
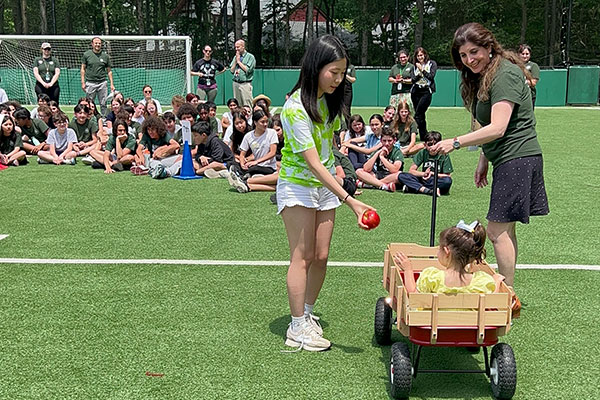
x=503, y=371
x=400, y=371
x=383, y=322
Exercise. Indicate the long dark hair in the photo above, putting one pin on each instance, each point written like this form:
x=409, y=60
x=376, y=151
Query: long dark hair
x=238, y=136
x=478, y=85
x=322, y=51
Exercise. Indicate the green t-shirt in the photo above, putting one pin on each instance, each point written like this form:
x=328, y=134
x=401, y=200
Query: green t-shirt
x=46, y=67
x=403, y=137
x=425, y=160
x=8, y=143
x=95, y=66
x=520, y=138
x=405, y=71
x=129, y=143
x=301, y=134
x=37, y=130
x=136, y=126
x=243, y=76
x=394, y=155
x=345, y=163
x=152, y=144
x=84, y=132
x=534, y=69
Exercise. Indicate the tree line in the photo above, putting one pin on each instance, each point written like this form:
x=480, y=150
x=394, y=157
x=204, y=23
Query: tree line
x=559, y=31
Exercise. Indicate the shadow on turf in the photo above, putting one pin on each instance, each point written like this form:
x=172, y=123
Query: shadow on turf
x=440, y=385
x=279, y=327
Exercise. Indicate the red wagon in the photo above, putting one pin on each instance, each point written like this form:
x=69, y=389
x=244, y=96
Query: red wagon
x=466, y=320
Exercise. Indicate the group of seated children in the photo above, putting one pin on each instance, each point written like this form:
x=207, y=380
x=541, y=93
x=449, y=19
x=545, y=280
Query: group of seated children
x=134, y=136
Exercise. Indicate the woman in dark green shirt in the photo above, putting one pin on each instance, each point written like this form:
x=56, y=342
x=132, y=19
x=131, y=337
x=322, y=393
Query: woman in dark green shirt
x=494, y=89
x=47, y=71
x=533, y=68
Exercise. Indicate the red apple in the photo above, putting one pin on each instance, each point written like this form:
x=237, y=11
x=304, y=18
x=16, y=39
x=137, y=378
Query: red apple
x=371, y=219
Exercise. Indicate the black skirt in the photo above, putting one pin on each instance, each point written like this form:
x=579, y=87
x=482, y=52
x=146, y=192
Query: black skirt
x=518, y=190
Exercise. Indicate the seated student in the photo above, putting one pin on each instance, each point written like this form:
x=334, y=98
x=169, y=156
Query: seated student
x=212, y=155
x=42, y=100
x=460, y=245
x=276, y=125
x=388, y=115
x=147, y=91
x=415, y=181
x=61, y=142
x=119, y=151
x=151, y=109
x=204, y=115
x=227, y=120
x=192, y=99
x=357, y=153
x=85, y=129
x=262, y=141
x=235, y=133
x=54, y=107
x=187, y=112
x=11, y=143
x=34, y=131
x=381, y=168
x=405, y=128
x=262, y=102
x=129, y=102
x=126, y=114
x=173, y=128
x=155, y=145
x=115, y=107
x=355, y=129
x=45, y=114
x=139, y=110
x=214, y=121
x=176, y=102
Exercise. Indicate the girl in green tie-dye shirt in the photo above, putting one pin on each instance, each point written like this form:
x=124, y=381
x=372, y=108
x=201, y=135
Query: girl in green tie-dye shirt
x=307, y=192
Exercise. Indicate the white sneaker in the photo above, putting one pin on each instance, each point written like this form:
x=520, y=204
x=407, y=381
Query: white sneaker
x=314, y=321
x=69, y=161
x=87, y=160
x=210, y=173
x=307, y=338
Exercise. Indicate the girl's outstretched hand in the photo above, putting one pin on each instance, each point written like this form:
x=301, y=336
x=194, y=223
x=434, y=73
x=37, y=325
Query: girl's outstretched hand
x=402, y=261
x=359, y=209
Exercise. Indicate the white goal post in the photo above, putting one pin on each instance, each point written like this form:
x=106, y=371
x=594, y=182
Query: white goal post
x=163, y=62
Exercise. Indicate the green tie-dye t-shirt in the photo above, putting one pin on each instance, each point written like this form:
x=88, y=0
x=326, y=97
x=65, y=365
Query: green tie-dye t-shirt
x=301, y=134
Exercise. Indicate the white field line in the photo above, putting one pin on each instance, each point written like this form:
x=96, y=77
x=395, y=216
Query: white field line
x=367, y=264
x=3, y=237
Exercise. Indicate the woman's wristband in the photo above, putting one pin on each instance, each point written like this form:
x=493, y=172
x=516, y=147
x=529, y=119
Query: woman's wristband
x=345, y=198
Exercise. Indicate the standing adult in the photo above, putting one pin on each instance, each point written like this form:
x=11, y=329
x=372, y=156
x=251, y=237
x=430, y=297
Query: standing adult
x=533, y=68
x=242, y=67
x=307, y=191
x=423, y=78
x=47, y=71
x=95, y=68
x=206, y=69
x=401, y=80
x=350, y=79
x=495, y=92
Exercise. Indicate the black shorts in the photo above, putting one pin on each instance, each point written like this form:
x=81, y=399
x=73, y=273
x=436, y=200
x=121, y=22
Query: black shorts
x=518, y=190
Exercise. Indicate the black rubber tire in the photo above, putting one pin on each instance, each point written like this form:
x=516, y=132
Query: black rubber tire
x=504, y=383
x=383, y=322
x=473, y=349
x=400, y=371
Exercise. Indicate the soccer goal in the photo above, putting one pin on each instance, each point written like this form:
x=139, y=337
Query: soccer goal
x=163, y=62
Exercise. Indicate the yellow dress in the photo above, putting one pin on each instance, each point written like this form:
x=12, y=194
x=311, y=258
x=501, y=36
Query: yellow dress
x=432, y=280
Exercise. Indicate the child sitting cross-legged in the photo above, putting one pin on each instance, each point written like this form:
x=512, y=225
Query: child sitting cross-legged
x=381, y=168
x=459, y=246
x=415, y=181
x=61, y=142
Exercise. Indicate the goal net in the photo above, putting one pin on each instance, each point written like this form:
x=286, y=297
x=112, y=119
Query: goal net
x=163, y=62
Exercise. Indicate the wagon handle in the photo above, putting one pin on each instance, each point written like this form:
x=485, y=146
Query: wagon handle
x=434, y=202
x=434, y=318
x=481, y=319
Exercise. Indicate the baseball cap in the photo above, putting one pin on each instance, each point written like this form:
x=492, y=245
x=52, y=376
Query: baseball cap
x=46, y=45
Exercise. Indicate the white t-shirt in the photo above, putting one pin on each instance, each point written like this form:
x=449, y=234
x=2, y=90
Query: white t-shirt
x=158, y=107
x=3, y=96
x=260, y=146
x=228, y=133
x=61, y=142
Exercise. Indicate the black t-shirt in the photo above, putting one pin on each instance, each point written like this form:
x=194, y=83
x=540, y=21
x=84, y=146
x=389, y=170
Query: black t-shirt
x=209, y=69
x=215, y=149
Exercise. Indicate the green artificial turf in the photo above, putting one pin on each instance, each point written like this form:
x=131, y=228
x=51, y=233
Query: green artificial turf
x=93, y=331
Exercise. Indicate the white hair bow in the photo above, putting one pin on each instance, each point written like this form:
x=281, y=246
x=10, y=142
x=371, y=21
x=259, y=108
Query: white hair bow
x=469, y=228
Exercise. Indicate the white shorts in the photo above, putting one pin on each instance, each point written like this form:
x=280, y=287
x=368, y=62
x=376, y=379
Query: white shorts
x=291, y=194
